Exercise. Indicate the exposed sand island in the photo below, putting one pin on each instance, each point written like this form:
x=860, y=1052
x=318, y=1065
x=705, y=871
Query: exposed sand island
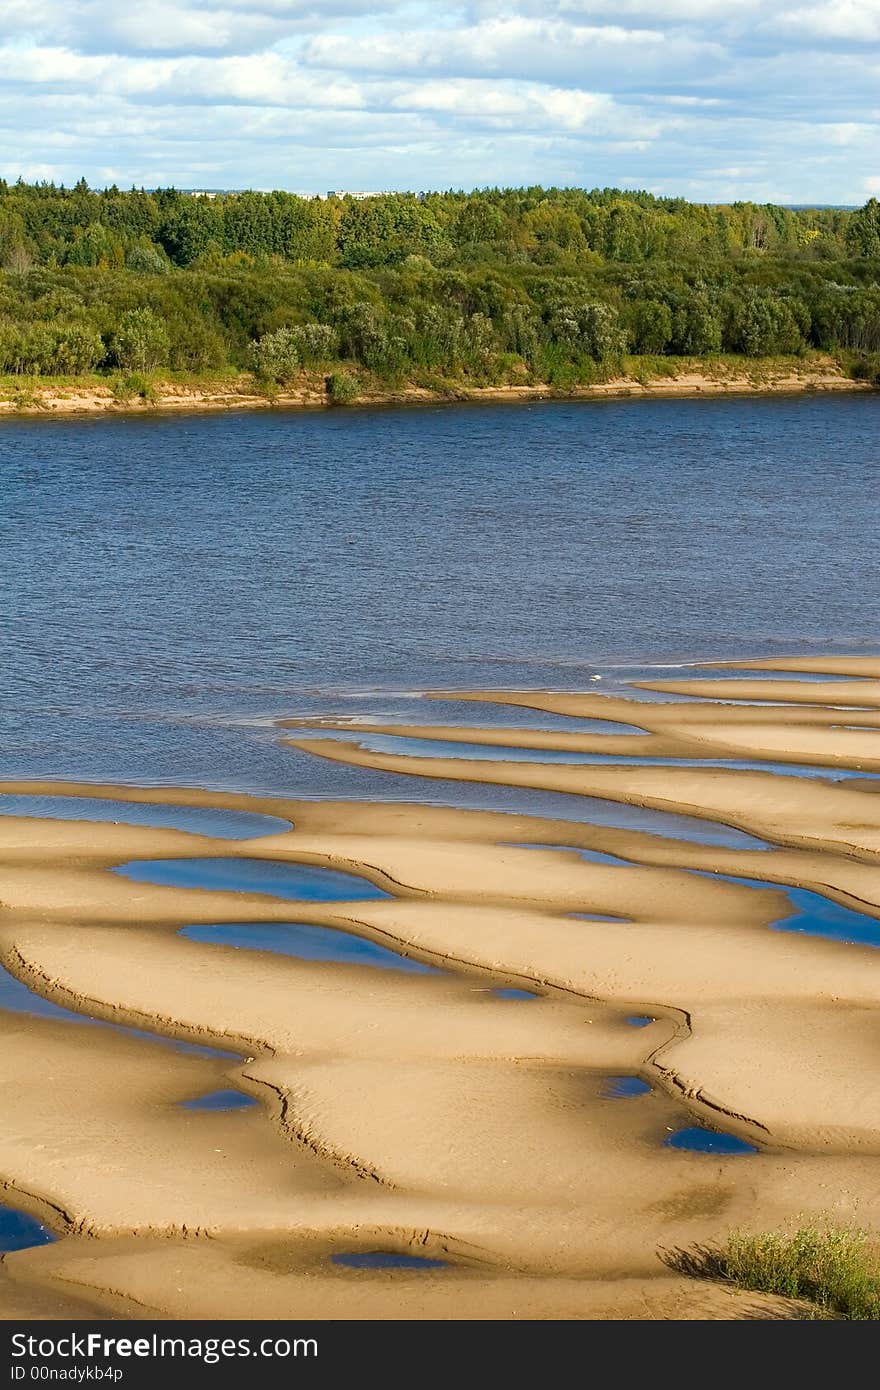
x=425, y=1113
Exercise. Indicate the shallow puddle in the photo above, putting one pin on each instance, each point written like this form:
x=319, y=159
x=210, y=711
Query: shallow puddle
x=221, y=1100
x=623, y=1088
x=639, y=1020
x=19, y=1231
x=815, y=915
x=386, y=1259
x=305, y=941
x=214, y=821
x=275, y=878
x=521, y=994
x=698, y=1139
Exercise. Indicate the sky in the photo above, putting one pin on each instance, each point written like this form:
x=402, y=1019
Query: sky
x=707, y=99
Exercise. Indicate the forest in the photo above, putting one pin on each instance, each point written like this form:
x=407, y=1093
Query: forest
x=555, y=286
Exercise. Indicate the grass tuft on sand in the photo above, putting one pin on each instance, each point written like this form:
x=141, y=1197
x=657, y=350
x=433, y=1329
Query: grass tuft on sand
x=836, y=1270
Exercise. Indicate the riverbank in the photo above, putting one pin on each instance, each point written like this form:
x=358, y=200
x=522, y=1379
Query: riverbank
x=642, y=377
x=527, y=1143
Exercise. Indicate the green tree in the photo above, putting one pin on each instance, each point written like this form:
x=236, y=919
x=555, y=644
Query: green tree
x=275, y=356
x=141, y=343
x=649, y=326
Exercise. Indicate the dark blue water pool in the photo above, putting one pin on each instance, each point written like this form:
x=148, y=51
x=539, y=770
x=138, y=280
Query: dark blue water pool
x=523, y=995
x=18, y=1231
x=276, y=878
x=305, y=941
x=198, y=820
x=815, y=915
x=386, y=1259
x=228, y=1099
x=594, y=917
x=639, y=1020
x=623, y=1088
x=697, y=1139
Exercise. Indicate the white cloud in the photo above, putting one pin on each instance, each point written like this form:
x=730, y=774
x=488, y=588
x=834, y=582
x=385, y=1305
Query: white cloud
x=710, y=98
x=852, y=20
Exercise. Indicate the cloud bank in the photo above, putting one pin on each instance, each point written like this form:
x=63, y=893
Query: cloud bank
x=709, y=99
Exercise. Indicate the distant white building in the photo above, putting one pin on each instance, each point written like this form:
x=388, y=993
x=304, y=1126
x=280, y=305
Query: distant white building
x=348, y=193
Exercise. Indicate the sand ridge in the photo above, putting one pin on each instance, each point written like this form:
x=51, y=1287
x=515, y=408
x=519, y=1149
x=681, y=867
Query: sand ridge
x=425, y=1113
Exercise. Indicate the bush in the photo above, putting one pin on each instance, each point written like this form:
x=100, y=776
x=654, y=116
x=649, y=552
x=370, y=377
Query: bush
x=315, y=342
x=140, y=343
x=342, y=388
x=833, y=1269
x=126, y=388
x=275, y=356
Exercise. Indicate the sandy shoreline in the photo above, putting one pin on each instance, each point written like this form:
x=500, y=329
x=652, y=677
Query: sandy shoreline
x=171, y=397
x=423, y=1113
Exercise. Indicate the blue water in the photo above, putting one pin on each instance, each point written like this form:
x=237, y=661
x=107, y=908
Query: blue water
x=276, y=878
x=19, y=999
x=815, y=915
x=386, y=1259
x=594, y=917
x=18, y=1231
x=639, y=1020
x=718, y=673
x=624, y=1088
x=171, y=581
x=220, y=1100
x=696, y=1139
x=592, y=856
x=818, y=916
x=198, y=820
x=410, y=747
x=305, y=941
x=518, y=994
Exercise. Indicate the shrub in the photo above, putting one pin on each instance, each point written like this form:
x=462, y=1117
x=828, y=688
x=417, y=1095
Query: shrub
x=342, y=388
x=140, y=343
x=315, y=342
x=833, y=1269
x=275, y=356
x=125, y=388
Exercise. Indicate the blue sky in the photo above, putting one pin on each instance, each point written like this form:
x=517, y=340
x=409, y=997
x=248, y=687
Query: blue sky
x=710, y=99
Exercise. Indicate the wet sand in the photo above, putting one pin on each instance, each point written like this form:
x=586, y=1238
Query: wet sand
x=424, y=1113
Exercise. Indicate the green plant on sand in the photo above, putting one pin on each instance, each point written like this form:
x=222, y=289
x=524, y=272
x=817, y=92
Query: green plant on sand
x=342, y=388
x=837, y=1270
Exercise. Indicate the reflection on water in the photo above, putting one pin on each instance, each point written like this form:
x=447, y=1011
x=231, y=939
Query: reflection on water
x=198, y=820
x=305, y=941
x=276, y=878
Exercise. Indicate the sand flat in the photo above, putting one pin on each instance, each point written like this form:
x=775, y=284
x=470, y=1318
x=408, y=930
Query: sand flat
x=427, y=1112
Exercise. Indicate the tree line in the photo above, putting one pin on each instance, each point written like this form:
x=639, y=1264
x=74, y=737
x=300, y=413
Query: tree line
x=555, y=285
